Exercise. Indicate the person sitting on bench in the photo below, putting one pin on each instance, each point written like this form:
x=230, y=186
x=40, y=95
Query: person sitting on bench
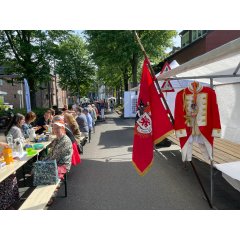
x=61, y=147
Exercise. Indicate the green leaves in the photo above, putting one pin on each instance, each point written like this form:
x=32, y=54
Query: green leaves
x=114, y=55
x=119, y=50
x=29, y=54
x=75, y=68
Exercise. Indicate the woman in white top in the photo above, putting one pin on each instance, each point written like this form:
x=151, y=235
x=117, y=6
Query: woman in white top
x=15, y=127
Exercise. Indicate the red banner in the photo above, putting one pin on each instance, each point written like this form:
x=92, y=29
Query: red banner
x=152, y=123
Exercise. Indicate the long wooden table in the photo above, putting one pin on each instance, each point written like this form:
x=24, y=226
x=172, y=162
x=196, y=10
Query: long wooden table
x=7, y=170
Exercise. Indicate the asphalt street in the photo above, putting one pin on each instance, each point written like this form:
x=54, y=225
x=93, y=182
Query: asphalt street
x=107, y=180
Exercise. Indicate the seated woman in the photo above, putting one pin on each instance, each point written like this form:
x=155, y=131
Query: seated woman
x=15, y=127
x=29, y=118
x=72, y=124
x=52, y=113
x=76, y=151
x=61, y=147
x=9, y=193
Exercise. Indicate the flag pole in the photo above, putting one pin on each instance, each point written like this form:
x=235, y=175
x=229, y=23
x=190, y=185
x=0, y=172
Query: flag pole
x=169, y=112
x=155, y=79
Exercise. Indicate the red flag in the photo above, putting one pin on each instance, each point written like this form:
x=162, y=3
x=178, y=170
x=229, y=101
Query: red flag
x=152, y=123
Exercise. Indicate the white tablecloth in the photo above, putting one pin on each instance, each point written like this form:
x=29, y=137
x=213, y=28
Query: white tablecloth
x=231, y=173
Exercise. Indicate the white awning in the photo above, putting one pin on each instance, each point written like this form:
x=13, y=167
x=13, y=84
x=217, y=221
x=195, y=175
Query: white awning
x=222, y=64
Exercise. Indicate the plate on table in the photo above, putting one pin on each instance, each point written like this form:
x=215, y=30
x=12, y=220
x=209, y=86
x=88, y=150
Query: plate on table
x=31, y=152
x=38, y=146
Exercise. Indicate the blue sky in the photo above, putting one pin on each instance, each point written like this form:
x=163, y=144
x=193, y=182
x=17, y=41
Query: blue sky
x=177, y=41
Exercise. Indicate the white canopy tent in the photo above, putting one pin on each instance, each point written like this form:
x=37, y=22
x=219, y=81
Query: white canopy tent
x=219, y=68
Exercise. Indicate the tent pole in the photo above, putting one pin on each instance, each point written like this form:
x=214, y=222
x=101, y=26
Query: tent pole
x=236, y=70
x=211, y=83
x=212, y=183
x=199, y=181
x=170, y=114
x=211, y=160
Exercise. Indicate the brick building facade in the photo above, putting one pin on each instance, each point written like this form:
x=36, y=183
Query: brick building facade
x=49, y=94
x=197, y=42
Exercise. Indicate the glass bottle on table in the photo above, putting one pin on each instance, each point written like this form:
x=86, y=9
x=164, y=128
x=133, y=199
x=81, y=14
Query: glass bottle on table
x=10, y=140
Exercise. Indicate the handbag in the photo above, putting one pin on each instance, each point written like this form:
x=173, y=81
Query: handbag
x=45, y=172
x=80, y=148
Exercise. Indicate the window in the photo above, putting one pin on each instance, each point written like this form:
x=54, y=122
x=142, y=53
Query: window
x=185, y=39
x=1, y=82
x=196, y=34
x=199, y=33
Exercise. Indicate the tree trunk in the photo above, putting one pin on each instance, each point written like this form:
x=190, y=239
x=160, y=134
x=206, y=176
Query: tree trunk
x=33, y=99
x=118, y=95
x=32, y=93
x=134, y=69
x=121, y=94
x=79, y=91
x=125, y=79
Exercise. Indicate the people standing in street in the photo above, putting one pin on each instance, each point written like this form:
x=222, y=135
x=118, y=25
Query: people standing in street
x=93, y=115
x=111, y=106
x=102, y=109
x=89, y=121
x=82, y=122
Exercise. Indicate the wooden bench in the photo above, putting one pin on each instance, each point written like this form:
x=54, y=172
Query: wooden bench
x=41, y=195
x=39, y=198
x=224, y=151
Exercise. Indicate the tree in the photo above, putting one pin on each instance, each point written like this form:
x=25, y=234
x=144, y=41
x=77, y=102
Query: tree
x=119, y=49
x=29, y=54
x=75, y=68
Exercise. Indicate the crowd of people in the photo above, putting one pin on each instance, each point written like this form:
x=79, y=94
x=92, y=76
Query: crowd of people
x=72, y=128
